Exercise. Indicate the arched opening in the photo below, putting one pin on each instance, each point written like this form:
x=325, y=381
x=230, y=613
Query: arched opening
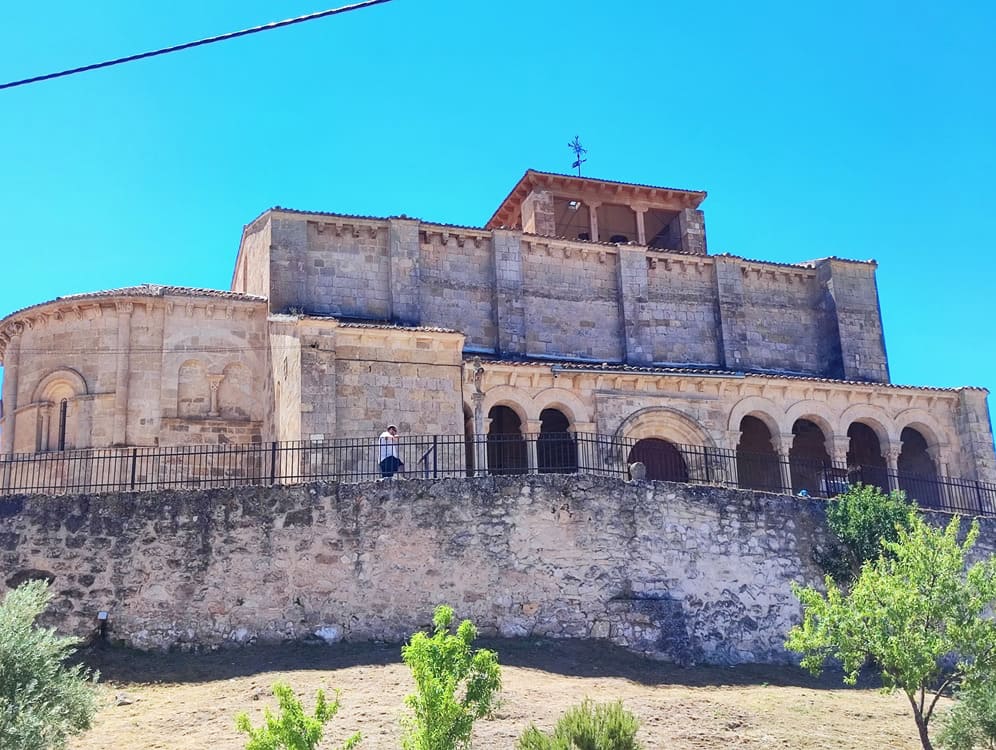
x=757, y=462
x=556, y=451
x=468, y=439
x=865, y=462
x=663, y=460
x=917, y=472
x=506, y=446
x=808, y=457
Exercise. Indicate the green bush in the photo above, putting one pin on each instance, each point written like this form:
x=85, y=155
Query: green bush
x=42, y=700
x=292, y=728
x=971, y=723
x=859, y=521
x=606, y=726
x=454, y=685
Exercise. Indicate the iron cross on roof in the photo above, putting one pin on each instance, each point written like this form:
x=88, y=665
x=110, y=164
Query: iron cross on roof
x=579, y=152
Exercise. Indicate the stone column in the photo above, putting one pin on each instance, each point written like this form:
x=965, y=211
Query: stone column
x=481, y=468
x=784, y=450
x=44, y=417
x=214, y=382
x=892, y=463
x=730, y=464
x=120, y=435
x=838, y=447
x=532, y=430
x=10, y=373
x=641, y=230
x=593, y=219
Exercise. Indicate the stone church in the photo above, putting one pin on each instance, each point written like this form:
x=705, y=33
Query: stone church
x=583, y=306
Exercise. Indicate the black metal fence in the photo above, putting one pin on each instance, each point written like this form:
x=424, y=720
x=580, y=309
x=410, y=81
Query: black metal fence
x=437, y=456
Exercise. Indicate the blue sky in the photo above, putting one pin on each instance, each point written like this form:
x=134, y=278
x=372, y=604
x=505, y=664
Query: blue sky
x=864, y=130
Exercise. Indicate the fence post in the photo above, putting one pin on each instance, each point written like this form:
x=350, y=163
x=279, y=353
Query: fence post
x=273, y=462
x=435, y=457
x=134, y=466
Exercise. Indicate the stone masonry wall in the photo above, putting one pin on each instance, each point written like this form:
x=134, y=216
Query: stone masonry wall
x=689, y=574
x=683, y=573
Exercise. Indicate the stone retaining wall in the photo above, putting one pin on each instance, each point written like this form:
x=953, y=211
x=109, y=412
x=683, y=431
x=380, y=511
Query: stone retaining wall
x=684, y=573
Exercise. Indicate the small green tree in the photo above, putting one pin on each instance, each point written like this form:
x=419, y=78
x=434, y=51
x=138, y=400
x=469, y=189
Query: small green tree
x=606, y=726
x=916, y=614
x=859, y=521
x=42, y=700
x=971, y=723
x=292, y=728
x=454, y=685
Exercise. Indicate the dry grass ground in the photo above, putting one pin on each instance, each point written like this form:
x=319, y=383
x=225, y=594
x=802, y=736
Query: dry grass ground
x=189, y=701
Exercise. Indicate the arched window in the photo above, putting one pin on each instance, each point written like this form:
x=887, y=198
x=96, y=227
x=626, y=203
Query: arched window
x=235, y=392
x=758, y=467
x=662, y=458
x=808, y=457
x=556, y=451
x=506, y=446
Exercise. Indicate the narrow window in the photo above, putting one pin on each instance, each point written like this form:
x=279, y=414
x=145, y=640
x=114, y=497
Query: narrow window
x=63, y=409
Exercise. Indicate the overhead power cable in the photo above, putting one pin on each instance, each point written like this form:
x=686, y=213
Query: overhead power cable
x=198, y=43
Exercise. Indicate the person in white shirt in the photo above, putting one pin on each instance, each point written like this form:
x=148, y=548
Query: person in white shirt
x=390, y=463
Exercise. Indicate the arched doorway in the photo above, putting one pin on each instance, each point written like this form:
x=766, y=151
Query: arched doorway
x=808, y=457
x=506, y=446
x=865, y=462
x=556, y=451
x=757, y=462
x=663, y=460
x=917, y=472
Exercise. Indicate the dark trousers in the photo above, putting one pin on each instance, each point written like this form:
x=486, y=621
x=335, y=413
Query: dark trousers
x=389, y=466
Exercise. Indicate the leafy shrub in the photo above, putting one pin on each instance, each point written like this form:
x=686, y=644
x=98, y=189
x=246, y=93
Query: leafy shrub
x=606, y=726
x=454, y=685
x=971, y=723
x=292, y=728
x=859, y=521
x=42, y=701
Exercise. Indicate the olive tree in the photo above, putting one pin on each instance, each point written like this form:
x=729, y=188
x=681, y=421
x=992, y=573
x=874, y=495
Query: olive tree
x=43, y=700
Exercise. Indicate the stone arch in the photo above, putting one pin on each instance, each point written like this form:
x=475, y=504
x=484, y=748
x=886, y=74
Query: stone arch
x=235, y=392
x=760, y=408
x=506, y=395
x=193, y=392
x=874, y=417
x=58, y=384
x=921, y=420
x=59, y=411
x=816, y=412
x=665, y=423
x=563, y=401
